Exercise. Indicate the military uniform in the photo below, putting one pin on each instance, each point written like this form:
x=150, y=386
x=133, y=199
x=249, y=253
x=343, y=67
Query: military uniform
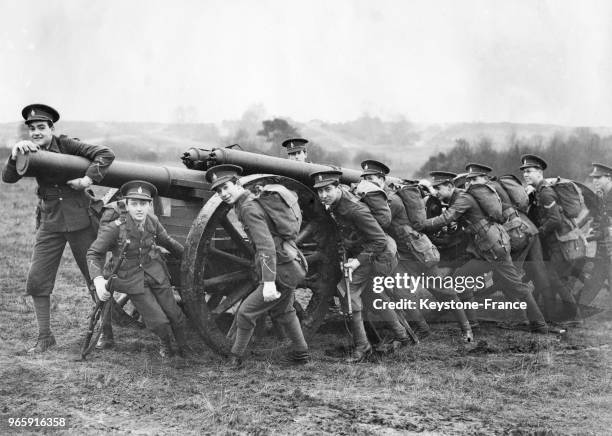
x=143, y=275
x=277, y=260
x=295, y=145
x=62, y=217
x=547, y=215
x=491, y=244
x=363, y=239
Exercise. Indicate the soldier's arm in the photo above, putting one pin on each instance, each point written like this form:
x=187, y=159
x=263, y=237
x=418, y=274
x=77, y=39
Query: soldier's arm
x=373, y=235
x=399, y=226
x=253, y=216
x=168, y=242
x=448, y=216
x=100, y=156
x=9, y=172
x=96, y=254
x=551, y=219
x=379, y=207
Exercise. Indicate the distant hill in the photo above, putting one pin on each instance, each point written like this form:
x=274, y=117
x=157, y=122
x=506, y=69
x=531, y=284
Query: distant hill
x=405, y=144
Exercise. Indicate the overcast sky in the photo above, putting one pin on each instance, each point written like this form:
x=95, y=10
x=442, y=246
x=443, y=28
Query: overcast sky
x=334, y=60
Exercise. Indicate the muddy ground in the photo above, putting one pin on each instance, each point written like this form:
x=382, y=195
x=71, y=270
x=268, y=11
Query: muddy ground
x=509, y=382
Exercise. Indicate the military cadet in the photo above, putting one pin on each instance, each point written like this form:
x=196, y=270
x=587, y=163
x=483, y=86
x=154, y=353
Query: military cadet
x=547, y=214
x=296, y=149
x=402, y=230
x=279, y=264
x=62, y=213
x=524, y=240
x=369, y=252
x=602, y=181
x=143, y=275
x=490, y=243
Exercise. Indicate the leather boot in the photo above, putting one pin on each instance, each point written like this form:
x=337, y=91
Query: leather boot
x=106, y=339
x=467, y=335
x=164, y=332
x=43, y=343
x=363, y=349
x=295, y=357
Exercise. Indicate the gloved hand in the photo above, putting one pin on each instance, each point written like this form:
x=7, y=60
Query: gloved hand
x=269, y=292
x=24, y=147
x=352, y=264
x=100, y=284
x=80, y=184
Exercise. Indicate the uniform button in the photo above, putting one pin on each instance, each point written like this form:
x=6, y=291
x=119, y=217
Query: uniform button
x=60, y=198
x=55, y=186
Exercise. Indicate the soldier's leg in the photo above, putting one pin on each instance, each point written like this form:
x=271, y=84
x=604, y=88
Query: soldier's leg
x=249, y=311
x=511, y=278
x=442, y=294
x=560, y=270
x=472, y=268
x=178, y=322
x=361, y=279
x=79, y=242
x=536, y=270
x=46, y=258
x=155, y=319
x=414, y=316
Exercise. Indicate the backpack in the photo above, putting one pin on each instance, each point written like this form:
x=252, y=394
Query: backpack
x=414, y=204
x=488, y=200
x=281, y=205
x=515, y=190
x=569, y=197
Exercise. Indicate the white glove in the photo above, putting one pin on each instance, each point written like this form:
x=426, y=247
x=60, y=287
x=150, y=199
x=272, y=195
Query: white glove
x=269, y=292
x=24, y=147
x=100, y=284
x=80, y=184
x=352, y=264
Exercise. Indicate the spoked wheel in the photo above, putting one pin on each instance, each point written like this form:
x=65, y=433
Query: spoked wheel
x=217, y=270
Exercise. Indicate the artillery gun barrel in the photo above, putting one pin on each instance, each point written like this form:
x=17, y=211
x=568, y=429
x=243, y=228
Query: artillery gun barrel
x=173, y=182
x=253, y=163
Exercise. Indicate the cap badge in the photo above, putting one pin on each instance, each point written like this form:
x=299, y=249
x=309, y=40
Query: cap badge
x=140, y=190
x=365, y=167
x=214, y=177
x=32, y=112
x=320, y=177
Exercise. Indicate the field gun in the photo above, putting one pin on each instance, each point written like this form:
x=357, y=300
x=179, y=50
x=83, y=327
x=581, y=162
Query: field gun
x=254, y=163
x=215, y=273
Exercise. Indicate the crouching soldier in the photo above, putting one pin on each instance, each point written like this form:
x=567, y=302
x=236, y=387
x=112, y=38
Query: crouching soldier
x=369, y=251
x=144, y=274
x=279, y=264
x=489, y=241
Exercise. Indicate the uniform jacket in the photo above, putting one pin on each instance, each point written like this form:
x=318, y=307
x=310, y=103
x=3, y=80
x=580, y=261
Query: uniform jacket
x=361, y=234
x=271, y=250
x=143, y=255
x=548, y=215
x=400, y=223
x=61, y=208
x=462, y=208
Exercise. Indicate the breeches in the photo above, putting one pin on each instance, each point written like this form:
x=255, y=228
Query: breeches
x=157, y=305
x=47, y=255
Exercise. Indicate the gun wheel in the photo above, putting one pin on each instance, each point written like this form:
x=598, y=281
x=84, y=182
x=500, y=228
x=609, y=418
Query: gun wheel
x=217, y=274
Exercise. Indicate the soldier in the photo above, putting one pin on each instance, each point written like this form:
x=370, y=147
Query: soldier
x=369, y=252
x=602, y=181
x=296, y=149
x=402, y=230
x=279, y=264
x=548, y=216
x=62, y=213
x=524, y=240
x=490, y=243
x=144, y=274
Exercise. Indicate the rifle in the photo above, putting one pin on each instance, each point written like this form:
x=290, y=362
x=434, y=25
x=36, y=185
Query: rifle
x=101, y=311
x=348, y=278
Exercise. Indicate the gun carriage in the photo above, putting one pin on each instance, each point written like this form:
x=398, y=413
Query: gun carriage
x=215, y=273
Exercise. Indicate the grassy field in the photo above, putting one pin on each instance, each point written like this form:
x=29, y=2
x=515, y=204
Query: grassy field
x=508, y=383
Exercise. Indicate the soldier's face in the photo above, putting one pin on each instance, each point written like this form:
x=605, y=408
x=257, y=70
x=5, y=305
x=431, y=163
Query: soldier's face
x=603, y=183
x=532, y=176
x=329, y=194
x=445, y=191
x=138, y=209
x=300, y=156
x=377, y=180
x=229, y=192
x=41, y=133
